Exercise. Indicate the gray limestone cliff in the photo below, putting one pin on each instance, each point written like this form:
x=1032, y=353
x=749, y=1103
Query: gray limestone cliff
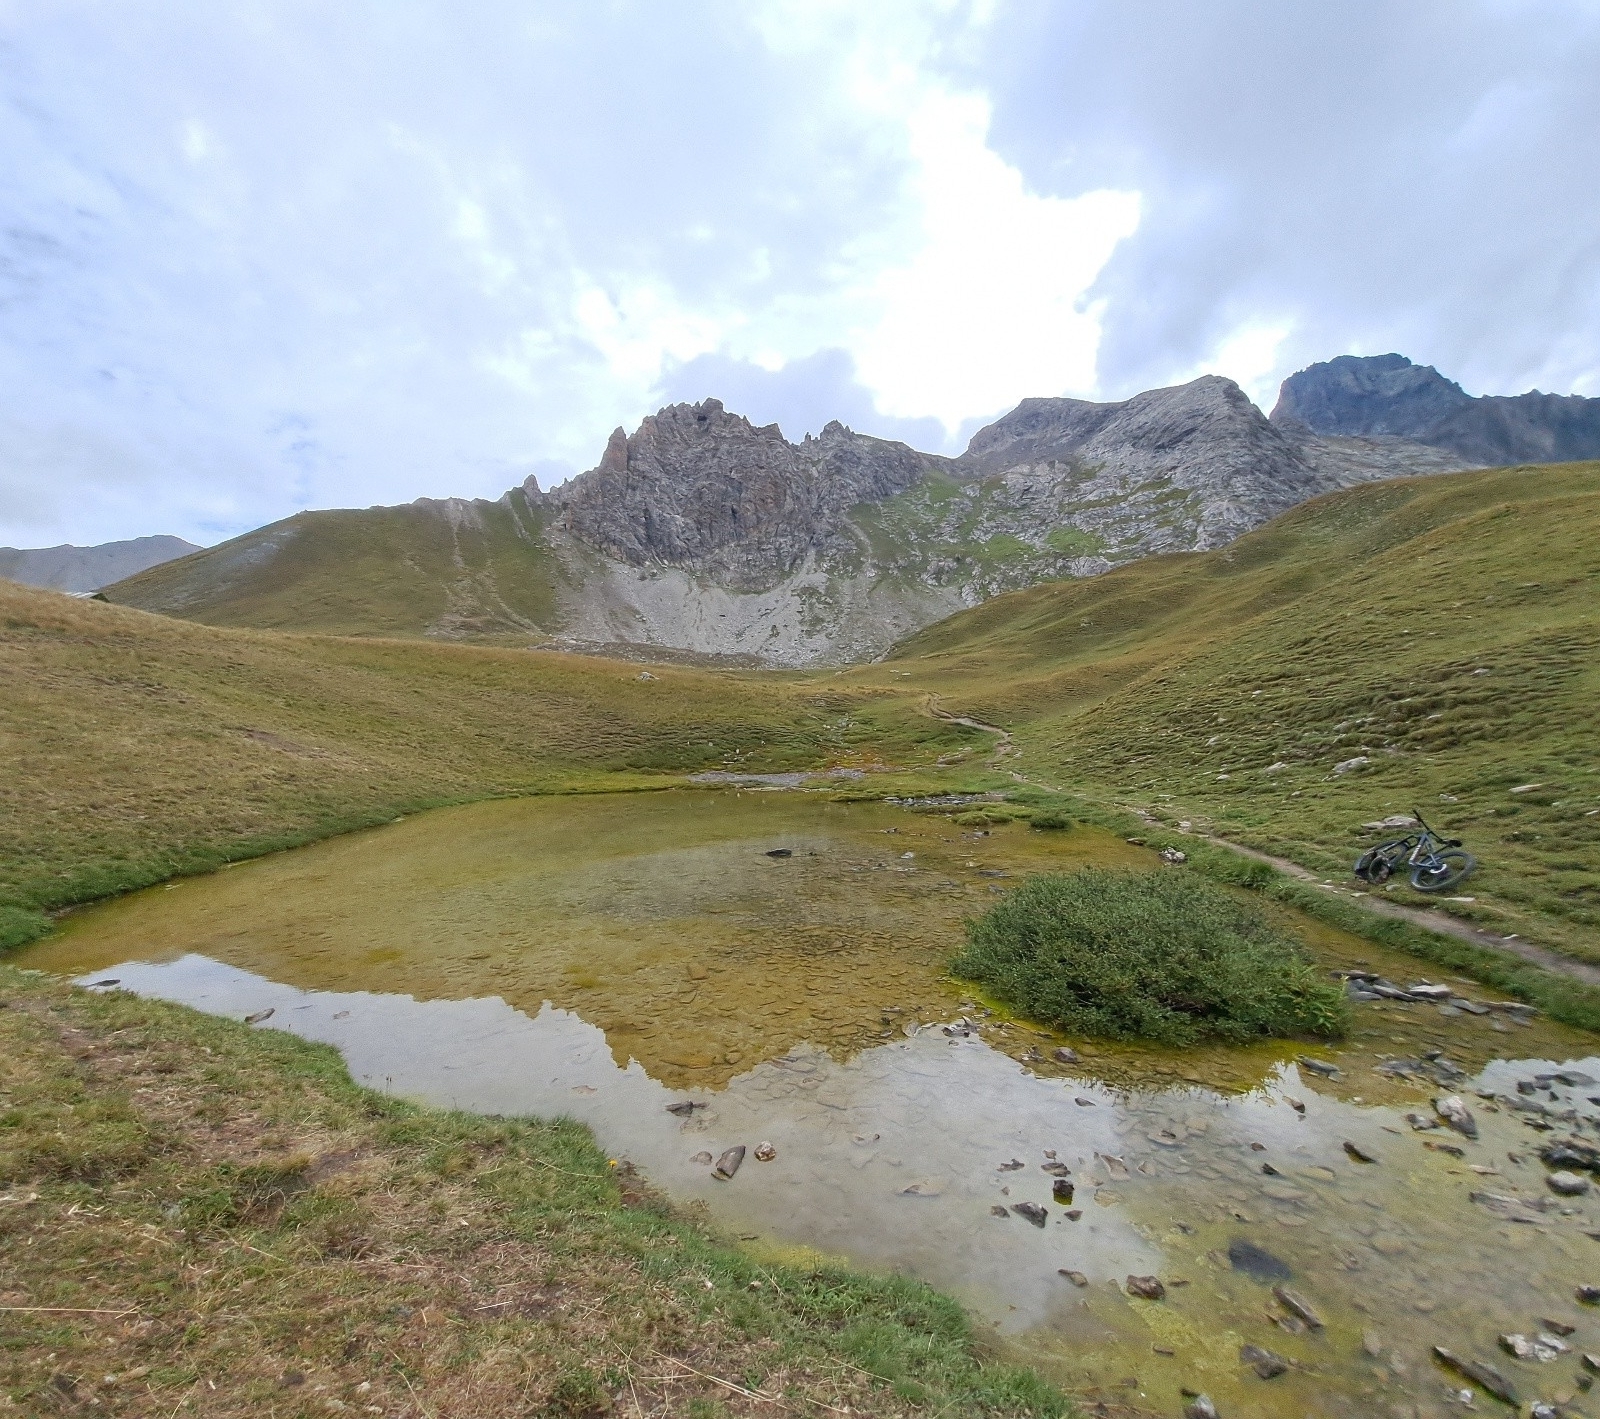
x=699, y=487
x=705, y=532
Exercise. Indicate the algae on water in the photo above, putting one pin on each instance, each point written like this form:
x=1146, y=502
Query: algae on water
x=1161, y=955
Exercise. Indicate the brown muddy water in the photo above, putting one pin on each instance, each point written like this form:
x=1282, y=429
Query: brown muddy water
x=607, y=957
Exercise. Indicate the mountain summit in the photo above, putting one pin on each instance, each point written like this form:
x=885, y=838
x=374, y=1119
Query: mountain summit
x=1380, y=395
x=85, y=569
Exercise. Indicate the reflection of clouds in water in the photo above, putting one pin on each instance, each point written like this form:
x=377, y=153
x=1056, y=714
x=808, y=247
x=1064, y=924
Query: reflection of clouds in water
x=850, y=1138
x=894, y=1160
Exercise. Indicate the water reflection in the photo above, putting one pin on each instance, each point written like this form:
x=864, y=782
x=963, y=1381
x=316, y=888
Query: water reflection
x=905, y=1156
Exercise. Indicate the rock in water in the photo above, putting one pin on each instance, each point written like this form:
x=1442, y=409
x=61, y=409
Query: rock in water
x=1358, y=1155
x=728, y=1163
x=1256, y=1263
x=765, y=1152
x=1032, y=1211
x=1567, y=1184
x=1436, y=993
x=1486, y=1377
x=1076, y=1277
x=1061, y=1191
x=1297, y=1306
x=1200, y=1407
x=1571, y=1153
x=781, y=852
x=1148, y=1288
x=1454, y=1112
x=1317, y=1066
x=1519, y=1347
x=1263, y=1362
x=259, y=1016
x=1065, y=1056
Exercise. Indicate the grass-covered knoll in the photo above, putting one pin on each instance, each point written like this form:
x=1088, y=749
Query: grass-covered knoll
x=453, y=569
x=1163, y=955
x=137, y=746
x=202, y=1219
x=1445, y=630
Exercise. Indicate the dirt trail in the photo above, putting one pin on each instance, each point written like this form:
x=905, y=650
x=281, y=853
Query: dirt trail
x=1003, y=745
x=1429, y=919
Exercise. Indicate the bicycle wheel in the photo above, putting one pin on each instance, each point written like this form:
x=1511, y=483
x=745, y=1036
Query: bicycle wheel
x=1372, y=866
x=1442, y=869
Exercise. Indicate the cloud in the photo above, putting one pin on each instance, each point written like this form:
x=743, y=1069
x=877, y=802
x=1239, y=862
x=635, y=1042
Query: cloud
x=263, y=257
x=1364, y=178
x=994, y=301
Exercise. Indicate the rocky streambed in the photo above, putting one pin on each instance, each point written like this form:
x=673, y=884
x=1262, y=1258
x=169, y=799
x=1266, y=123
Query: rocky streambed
x=1403, y=1224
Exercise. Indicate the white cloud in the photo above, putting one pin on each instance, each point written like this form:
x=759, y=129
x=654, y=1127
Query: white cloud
x=1249, y=356
x=258, y=260
x=992, y=305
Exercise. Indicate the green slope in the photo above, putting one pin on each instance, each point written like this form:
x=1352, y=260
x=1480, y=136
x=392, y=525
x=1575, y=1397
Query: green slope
x=1446, y=629
x=450, y=569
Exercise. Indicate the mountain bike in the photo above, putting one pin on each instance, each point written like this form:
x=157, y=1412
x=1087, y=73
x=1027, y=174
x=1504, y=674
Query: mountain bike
x=1435, y=862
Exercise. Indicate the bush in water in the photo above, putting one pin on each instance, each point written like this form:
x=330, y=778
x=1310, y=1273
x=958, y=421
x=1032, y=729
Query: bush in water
x=1163, y=955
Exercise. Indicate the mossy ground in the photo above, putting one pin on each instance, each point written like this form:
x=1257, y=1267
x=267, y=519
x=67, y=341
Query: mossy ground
x=199, y=1218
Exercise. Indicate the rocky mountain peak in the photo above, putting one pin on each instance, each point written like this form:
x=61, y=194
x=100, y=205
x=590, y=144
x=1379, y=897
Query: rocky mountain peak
x=1367, y=394
x=1045, y=430
x=1388, y=395
x=695, y=484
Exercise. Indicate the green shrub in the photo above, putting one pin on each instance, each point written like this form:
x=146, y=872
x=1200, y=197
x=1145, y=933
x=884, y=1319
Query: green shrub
x=1053, y=822
x=19, y=926
x=1162, y=955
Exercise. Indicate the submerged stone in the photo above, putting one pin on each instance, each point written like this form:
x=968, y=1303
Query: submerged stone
x=1266, y=1364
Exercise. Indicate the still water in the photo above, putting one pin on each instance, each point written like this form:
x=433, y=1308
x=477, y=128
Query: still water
x=607, y=957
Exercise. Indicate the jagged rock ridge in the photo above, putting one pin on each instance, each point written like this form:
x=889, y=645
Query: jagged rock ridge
x=1388, y=395
x=725, y=537
x=698, y=486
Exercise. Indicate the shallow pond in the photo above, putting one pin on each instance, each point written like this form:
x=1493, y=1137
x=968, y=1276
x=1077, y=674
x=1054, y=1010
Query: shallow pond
x=607, y=957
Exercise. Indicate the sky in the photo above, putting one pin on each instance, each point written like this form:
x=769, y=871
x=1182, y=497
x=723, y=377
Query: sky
x=264, y=255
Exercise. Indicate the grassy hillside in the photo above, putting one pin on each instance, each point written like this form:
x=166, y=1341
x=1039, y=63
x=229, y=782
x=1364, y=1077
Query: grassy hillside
x=450, y=569
x=137, y=746
x=1446, y=630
